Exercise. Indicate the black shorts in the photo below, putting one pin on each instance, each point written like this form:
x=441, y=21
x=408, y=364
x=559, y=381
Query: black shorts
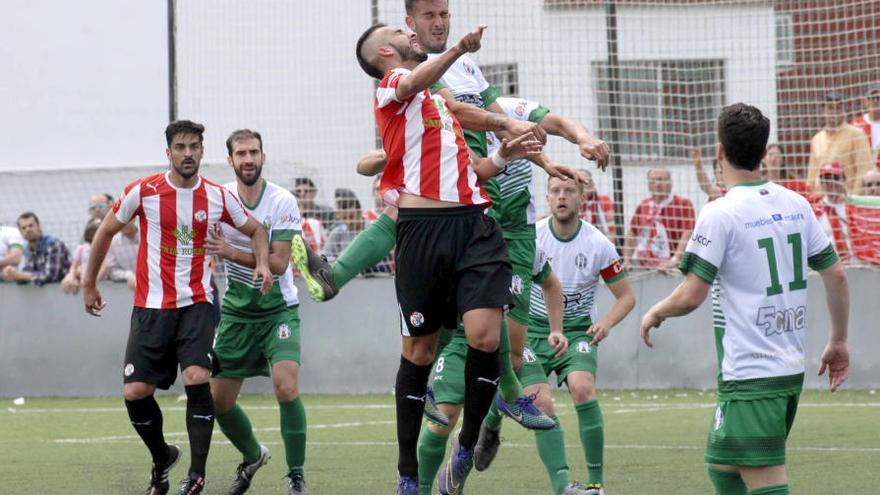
x=449, y=261
x=160, y=339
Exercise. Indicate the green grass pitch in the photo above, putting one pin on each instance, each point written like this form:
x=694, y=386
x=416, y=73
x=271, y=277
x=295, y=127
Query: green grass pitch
x=654, y=445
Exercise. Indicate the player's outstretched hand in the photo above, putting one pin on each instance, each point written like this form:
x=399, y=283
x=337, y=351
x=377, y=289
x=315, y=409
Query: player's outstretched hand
x=216, y=245
x=563, y=172
x=596, y=150
x=522, y=147
x=471, y=41
x=93, y=300
x=520, y=127
x=651, y=320
x=599, y=331
x=263, y=271
x=559, y=342
x=835, y=359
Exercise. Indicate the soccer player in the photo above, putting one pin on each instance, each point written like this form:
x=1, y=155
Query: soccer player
x=451, y=259
x=579, y=255
x=257, y=332
x=171, y=321
x=752, y=247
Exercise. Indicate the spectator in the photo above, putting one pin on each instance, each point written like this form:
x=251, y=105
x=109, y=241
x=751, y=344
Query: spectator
x=597, y=209
x=869, y=122
x=99, y=205
x=660, y=227
x=839, y=142
x=863, y=214
x=349, y=222
x=373, y=214
x=871, y=183
x=831, y=208
x=780, y=173
x=46, y=258
x=71, y=282
x=119, y=266
x=305, y=191
x=11, y=247
x=714, y=188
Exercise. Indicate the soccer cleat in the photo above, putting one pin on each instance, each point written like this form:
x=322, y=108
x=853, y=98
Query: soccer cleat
x=455, y=471
x=487, y=447
x=296, y=484
x=245, y=472
x=523, y=411
x=594, y=489
x=192, y=485
x=407, y=486
x=432, y=412
x=159, y=473
x=575, y=488
x=314, y=269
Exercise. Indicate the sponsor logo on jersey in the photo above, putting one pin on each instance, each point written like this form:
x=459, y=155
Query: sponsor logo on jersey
x=516, y=284
x=283, y=331
x=701, y=239
x=584, y=347
x=777, y=217
x=719, y=418
x=778, y=321
x=580, y=260
x=529, y=355
x=520, y=109
x=129, y=370
x=416, y=319
x=201, y=216
x=267, y=223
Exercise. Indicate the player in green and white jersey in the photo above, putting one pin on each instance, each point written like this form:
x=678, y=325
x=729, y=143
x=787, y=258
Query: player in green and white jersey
x=752, y=247
x=259, y=335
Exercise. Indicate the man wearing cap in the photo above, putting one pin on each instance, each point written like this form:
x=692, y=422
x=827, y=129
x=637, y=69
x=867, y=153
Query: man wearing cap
x=839, y=142
x=831, y=208
x=869, y=122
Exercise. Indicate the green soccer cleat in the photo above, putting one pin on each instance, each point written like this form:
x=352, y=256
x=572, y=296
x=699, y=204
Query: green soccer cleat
x=314, y=269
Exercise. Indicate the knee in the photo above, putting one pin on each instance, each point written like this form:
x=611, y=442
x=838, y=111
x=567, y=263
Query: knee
x=196, y=375
x=286, y=390
x=137, y=391
x=583, y=392
x=420, y=355
x=516, y=361
x=484, y=341
x=545, y=403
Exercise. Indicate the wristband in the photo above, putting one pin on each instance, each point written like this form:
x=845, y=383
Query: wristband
x=498, y=161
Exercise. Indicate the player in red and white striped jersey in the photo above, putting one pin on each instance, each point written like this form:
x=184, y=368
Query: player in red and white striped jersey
x=172, y=320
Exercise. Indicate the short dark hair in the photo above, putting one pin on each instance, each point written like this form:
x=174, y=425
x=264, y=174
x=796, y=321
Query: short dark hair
x=241, y=134
x=743, y=131
x=29, y=214
x=109, y=198
x=183, y=127
x=346, y=199
x=304, y=181
x=408, y=5
x=369, y=68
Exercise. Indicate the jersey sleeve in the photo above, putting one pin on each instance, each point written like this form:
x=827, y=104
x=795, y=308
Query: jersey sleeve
x=233, y=212
x=540, y=267
x=820, y=251
x=538, y=113
x=704, y=253
x=288, y=220
x=129, y=203
x=490, y=94
x=386, y=93
x=612, y=268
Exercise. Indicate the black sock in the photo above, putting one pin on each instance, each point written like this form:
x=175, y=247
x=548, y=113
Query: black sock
x=409, y=393
x=199, y=425
x=146, y=417
x=481, y=374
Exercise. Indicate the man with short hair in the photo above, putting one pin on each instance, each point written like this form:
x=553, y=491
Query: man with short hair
x=47, y=259
x=259, y=334
x=11, y=247
x=871, y=183
x=752, y=247
x=869, y=122
x=305, y=191
x=660, y=227
x=349, y=222
x=99, y=205
x=839, y=142
x=172, y=320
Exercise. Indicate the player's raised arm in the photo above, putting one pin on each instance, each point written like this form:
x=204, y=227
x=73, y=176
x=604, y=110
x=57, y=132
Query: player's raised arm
x=524, y=146
x=429, y=72
x=372, y=163
x=590, y=147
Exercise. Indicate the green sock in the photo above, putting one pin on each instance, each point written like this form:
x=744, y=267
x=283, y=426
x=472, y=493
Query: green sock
x=509, y=386
x=493, y=417
x=432, y=450
x=771, y=490
x=369, y=247
x=590, y=426
x=235, y=424
x=727, y=482
x=551, y=449
x=293, y=434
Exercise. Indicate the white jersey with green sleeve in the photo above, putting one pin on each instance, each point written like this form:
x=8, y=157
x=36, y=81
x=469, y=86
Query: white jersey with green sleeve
x=513, y=194
x=277, y=210
x=754, y=245
x=578, y=263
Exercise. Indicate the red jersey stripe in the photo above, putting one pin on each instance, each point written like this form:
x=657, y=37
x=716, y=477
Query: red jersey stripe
x=200, y=230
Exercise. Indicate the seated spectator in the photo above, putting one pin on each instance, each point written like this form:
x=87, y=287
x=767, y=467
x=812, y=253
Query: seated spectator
x=869, y=122
x=831, y=207
x=597, y=209
x=374, y=213
x=119, y=266
x=839, y=142
x=871, y=183
x=71, y=282
x=864, y=216
x=11, y=247
x=305, y=191
x=778, y=172
x=660, y=228
x=349, y=222
x=47, y=259
x=714, y=188
x=99, y=205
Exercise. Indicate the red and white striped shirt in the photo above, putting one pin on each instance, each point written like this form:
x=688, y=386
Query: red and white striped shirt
x=172, y=269
x=427, y=153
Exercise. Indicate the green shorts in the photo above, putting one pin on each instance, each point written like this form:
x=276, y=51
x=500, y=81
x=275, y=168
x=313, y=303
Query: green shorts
x=522, y=258
x=249, y=349
x=539, y=359
x=448, y=372
x=751, y=432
